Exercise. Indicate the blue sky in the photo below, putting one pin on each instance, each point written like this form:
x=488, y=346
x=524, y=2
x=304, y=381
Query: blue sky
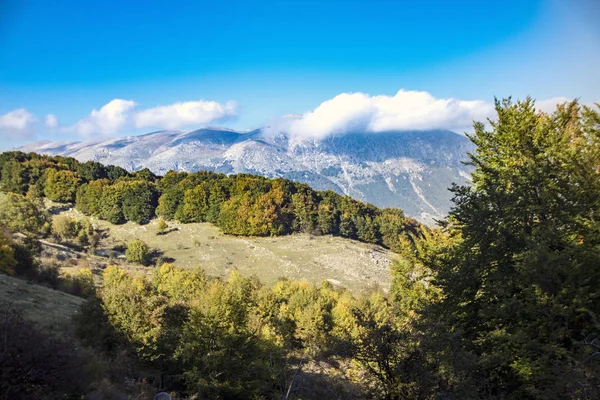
x=244, y=64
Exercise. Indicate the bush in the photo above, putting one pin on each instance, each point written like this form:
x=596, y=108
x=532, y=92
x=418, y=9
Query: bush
x=162, y=226
x=49, y=275
x=65, y=227
x=26, y=265
x=83, y=238
x=81, y=284
x=138, y=252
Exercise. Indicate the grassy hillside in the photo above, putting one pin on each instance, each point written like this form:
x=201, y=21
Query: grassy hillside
x=49, y=309
x=355, y=265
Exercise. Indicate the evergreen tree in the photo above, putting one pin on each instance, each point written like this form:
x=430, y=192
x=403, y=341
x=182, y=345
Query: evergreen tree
x=15, y=177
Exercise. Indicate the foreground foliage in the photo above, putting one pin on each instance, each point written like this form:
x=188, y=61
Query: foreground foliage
x=519, y=267
x=238, y=339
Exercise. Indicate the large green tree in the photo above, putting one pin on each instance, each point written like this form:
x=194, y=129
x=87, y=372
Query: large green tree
x=14, y=177
x=20, y=215
x=139, y=200
x=522, y=283
x=61, y=186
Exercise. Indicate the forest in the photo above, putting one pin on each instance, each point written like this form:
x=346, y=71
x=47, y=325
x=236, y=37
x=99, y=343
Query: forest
x=500, y=301
x=238, y=204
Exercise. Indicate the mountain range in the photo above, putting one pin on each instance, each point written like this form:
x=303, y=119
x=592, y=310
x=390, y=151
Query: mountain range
x=411, y=170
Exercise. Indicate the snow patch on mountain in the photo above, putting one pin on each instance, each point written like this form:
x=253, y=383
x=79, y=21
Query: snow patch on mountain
x=410, y=170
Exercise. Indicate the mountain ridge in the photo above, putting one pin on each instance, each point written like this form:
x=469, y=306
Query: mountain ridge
x=406, y=169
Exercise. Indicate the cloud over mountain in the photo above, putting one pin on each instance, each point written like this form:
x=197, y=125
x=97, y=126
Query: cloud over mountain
x=16, y=123
x=175, y=116
x=111, y=118
x=406, y=110
x=51, y=121
x=120, y=114
x=344, y=113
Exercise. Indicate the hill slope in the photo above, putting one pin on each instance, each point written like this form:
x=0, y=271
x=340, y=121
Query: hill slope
x=49, y=309
x=410, y=170
x=348, y=263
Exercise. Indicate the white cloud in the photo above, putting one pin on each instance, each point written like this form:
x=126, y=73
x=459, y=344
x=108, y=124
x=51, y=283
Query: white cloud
x=175, y=116
x=120, y=114
x=111, y=118
x=406, y=110
x=51, y=121
x=16, y=123
x=549, y=105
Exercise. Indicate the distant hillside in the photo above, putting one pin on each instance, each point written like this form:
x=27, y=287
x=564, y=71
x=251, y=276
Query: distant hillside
x=410, y=170
x=239, y=204
x=347, y=263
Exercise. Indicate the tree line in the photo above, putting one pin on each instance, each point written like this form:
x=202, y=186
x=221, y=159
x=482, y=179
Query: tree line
x=239, y=204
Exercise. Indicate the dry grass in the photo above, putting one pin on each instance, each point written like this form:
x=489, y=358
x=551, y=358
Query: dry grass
x=49, y=309
x=357, y=266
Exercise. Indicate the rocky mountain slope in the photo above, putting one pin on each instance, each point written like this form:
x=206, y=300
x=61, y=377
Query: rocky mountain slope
x=410, y=170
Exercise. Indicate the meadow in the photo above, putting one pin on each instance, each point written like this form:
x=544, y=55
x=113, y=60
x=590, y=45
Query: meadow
x=360, y=267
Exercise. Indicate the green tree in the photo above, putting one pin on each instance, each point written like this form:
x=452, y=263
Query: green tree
x=169, y=202
x=138, y=252
x=182, y=285
x=521, y=282
x=171, y=194
x=10, y=156
x=139, y=314
x=61, y=186
x=146, y=175
x=35, y=194
x=91, y=171
x=15, y=177
x=219, y=193
x=7, y=255
x=387, y=346
x=305, y=205
x=233, y=218
x=269, y=214
x=89, y=197
x=349, y=210
x=113, y=172
x=195, y=204
x=21, y=215
x=138, y=200
x=328, y=214
x=222, y=358
x=390, y=222
x=110, y=206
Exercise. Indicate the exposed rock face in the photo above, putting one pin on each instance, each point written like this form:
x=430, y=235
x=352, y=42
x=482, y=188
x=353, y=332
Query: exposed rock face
x=410, y=170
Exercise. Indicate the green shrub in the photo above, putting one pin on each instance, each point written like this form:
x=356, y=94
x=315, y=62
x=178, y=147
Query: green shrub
x=138, y=252
x=162, y=226
x=65, y=227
